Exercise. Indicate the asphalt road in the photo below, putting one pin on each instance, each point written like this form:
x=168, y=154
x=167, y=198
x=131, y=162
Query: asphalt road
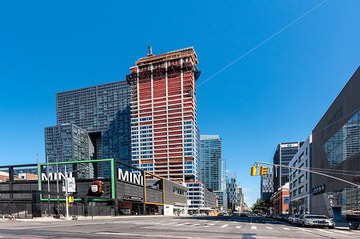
x=167, y=227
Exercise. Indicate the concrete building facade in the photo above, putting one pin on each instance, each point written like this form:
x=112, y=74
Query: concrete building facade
x=300, y=181
x=336, y=151
x=164, y=133
x=283, y=155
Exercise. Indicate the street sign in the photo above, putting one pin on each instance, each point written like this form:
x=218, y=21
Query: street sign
x=71, y=185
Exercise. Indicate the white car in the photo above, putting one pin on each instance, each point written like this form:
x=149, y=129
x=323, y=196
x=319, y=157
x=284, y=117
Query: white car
x=316, y=221
x=294, y=218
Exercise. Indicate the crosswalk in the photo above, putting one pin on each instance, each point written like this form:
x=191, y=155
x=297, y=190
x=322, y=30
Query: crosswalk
x=226, y=225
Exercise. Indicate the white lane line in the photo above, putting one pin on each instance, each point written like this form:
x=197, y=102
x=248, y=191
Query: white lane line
x=206, y=226
x=253, y=227
x=305, y=230
x=194, y=225
x=287, y=229
x=138, y=235
x=179, y=225
x=211, y=224
x=223, y=226
x=345, y=232
x=270, y=228
x=322, y=230
x=238, y=227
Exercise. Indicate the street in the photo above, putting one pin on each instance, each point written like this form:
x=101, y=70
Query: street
x=166, y=227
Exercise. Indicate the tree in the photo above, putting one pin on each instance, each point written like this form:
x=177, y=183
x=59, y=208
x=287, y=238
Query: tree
x=261, y=206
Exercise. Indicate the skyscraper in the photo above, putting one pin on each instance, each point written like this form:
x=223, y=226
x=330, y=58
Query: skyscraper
x=164, y=133
x=283, y=155
x=212, y=166
x=266, y=186
x=92, y=123
x=231, y=190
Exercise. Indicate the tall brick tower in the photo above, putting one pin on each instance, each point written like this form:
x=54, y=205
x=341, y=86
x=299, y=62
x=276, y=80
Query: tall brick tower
x=164, y=133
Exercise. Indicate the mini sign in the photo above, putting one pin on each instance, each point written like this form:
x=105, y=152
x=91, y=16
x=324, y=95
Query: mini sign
x=130, y=177
x=56, y=176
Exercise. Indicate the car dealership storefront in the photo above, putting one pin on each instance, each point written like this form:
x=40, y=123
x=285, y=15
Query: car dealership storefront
x=124, y=190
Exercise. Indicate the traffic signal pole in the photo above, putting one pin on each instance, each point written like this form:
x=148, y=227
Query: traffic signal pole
x=306, y=170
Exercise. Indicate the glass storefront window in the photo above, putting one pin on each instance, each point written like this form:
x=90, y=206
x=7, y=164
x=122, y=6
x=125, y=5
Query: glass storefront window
x=345, y=143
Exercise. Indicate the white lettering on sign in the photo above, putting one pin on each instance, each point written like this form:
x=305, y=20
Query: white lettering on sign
x=56, y=176
x=130, y=177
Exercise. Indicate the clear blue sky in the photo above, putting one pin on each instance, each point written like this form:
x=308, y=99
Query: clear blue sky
x=276, y=93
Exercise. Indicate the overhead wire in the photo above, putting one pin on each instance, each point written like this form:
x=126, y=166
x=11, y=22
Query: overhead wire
x=261, y=43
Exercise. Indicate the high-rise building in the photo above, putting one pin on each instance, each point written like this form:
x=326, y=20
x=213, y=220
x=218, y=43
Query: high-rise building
x=212, y=166
x=92, y=123
x=241, y=199
x=283, y=155
x=266, y=186
x=164, y=133
x=231, y=186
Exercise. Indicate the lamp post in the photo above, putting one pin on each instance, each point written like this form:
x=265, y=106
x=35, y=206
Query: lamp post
x=66, y=180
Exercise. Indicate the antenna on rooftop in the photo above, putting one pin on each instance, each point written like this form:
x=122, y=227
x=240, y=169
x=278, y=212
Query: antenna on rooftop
x=150, y=51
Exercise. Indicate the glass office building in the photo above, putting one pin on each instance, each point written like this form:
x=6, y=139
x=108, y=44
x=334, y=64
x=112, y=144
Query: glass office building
x=212, y=166
x=92, y=123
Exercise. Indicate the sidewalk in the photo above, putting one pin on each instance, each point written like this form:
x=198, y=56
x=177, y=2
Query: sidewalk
x=342, y=226
x=80, y=218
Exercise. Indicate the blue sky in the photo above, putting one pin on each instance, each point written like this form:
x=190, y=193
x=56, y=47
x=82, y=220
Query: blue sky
x=277, y=93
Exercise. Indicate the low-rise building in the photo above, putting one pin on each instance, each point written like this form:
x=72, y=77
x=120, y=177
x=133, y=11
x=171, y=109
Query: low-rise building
x=280, y=200
x=127, y=191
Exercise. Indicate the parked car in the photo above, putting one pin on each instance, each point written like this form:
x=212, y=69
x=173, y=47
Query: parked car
x=316, y=221
x=282, y=217
x=294, y=218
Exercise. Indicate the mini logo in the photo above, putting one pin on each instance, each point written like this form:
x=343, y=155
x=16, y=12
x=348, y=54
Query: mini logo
x=94, y=188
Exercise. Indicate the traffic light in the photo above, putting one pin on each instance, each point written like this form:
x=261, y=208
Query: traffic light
x=71, y=199
x=263, y=170
x=253, y=171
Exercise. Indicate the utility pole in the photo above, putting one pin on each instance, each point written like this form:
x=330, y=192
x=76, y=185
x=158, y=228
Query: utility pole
x=48, y=183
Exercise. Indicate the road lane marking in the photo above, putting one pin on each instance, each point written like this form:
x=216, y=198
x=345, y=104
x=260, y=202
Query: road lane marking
x=138, y=235
x=194, y=225
x=305, y=230
x=238, y=227
x=322, y=230
x=253, y=227
x=344, y=232
x=223, y=226
x=270, y=228
x=287, y=229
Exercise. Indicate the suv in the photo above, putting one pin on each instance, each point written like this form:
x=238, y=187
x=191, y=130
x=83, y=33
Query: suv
x=316, y=220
